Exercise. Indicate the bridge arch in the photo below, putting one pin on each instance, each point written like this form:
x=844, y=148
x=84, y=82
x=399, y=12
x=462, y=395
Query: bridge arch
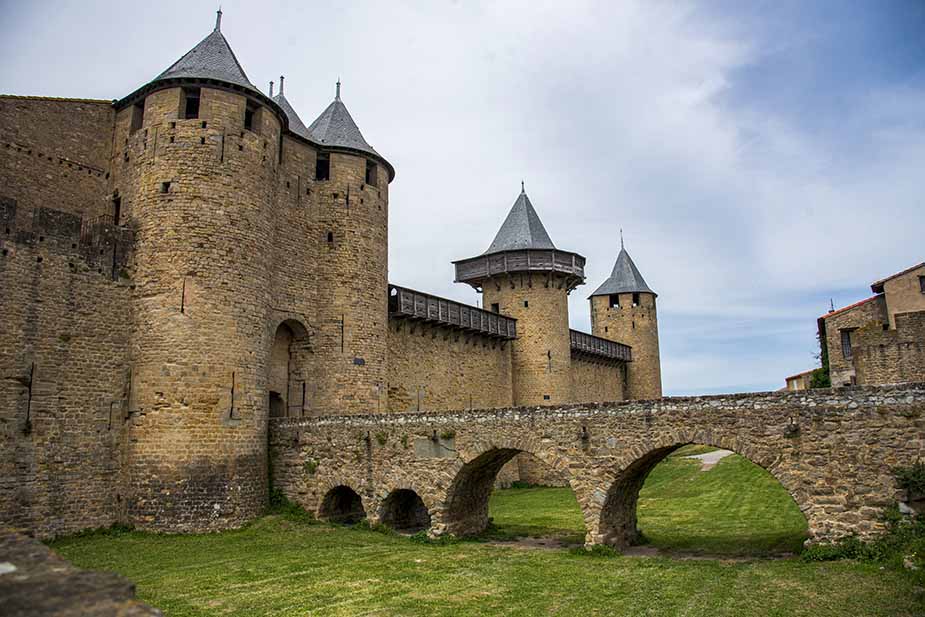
x=617, y=522
x=465, y=503
x=403, y=509
x=342, y=504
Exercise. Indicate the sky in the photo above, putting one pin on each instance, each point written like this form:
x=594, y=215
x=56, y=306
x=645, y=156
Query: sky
x=761, y=158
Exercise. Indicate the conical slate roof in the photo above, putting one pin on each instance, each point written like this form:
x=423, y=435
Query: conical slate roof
x=522, y=229
x=625, y=278
x=211, y=58
x=295, y=123
x=335, y=127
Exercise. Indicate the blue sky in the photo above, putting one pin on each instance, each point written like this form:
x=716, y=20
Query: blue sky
x=761, y=157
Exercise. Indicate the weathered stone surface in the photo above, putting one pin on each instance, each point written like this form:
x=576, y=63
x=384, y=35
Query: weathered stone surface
x=36, y=582
x=832, y=450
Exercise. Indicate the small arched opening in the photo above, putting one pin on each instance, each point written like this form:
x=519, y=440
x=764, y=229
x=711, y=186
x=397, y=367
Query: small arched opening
x=286, y=381
x=701, y=499
x=404, y=511
x=342, y=505
x=533, y=499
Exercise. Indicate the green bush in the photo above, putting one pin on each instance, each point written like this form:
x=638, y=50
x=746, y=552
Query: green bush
x=912, y=478
x=421, y=537
x=281, y=506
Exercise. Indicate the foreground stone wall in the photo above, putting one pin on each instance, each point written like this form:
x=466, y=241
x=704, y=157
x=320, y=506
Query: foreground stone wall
x=42, y=583
x=64, y=328
x=435, y=368
x=832, y=450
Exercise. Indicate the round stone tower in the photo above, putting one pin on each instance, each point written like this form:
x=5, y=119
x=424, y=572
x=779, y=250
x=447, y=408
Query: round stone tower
x=198, y=151
x=623, y=310
x=351, y=191
x=524, y=276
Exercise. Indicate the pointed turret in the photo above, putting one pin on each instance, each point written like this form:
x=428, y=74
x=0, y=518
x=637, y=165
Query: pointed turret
x=625, y=278
x=335, y=127
x=522, y=229
x=295, y=122
x=523, y=275
x=623, y=309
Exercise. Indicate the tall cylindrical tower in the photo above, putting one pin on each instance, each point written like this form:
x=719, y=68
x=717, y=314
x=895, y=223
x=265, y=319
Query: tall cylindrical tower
x=623, y=310
x=523, y=275
x=351, y=185
x=199, y=149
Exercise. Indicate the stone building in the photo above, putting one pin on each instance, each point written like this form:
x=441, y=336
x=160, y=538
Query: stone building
x=185, y=262
x=879, y=340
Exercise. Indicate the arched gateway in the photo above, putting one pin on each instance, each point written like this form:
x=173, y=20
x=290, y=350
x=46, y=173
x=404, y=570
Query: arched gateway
x=833, y=451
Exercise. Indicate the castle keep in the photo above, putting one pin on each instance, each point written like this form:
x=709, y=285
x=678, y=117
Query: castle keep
x=183, y=264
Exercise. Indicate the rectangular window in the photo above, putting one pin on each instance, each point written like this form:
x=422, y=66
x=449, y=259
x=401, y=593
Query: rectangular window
x=495, y=307
x=635, y=299
x=116, y=209
x=252, y=117
x=922, y=284
x=371, y=173
x=323, y=167
x=846, y=344
x=190, y=104
x=614, y=301
x=138, y=116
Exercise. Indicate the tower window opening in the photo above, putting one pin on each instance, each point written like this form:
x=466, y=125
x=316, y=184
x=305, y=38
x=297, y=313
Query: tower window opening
x=922, y=284
x=116, y=209
x=605, y=328
x=636, y=299
x=614, y=301
x=323, y=167
x=495, y=307
x=252, y=116
x=846, y=344
x=330, y=237
x=526, y=304
x=138, y=116
x=165, y=187
x=190, y=103
x=371, y=172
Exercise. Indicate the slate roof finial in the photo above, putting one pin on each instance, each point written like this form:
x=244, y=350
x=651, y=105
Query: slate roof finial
x=522, y=189
x=337, y=93
x=271, y=88
x=218, y=19
x=621, y=239
x=281, y=82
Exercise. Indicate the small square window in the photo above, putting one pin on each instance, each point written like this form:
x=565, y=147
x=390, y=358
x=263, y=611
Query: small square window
x=526, y=304
x=138, y=116
x=614, y=301
x=545, y=397
x=165, y=187
x=846, y=344
x=495, y=307
x=323, y=167
x=371, y=173
x=190, y=105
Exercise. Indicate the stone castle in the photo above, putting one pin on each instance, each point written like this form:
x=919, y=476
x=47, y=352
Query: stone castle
x=185, y=263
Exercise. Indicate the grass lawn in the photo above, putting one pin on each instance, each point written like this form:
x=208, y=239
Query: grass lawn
x=281, y=566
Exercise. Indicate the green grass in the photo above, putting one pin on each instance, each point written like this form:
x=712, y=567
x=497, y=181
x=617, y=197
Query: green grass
x=287, y=565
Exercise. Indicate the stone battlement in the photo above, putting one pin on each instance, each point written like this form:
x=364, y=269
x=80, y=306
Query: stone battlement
x=811, y=401
x=103, y=246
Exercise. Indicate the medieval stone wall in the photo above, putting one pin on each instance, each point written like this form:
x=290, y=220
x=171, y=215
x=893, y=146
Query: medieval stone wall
x=54, y=153
x=891, y=356
x=597, y=380
x=435, y=368
x=833, y=450
x=541, y=355
x=64, y=367
x=636, y=326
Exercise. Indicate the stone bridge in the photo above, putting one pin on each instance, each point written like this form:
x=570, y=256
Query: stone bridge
x=832, y=450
